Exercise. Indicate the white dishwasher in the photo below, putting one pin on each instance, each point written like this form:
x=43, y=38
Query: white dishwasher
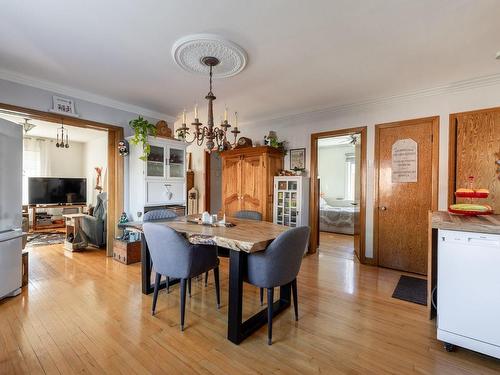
x=468, y=291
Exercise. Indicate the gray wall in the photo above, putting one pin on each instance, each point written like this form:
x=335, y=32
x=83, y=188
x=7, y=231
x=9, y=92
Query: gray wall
x=35, y=98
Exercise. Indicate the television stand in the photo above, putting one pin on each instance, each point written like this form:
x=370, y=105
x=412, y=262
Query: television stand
x=35, y=225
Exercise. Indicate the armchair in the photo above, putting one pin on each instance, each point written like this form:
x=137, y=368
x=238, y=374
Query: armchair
x=94, y=226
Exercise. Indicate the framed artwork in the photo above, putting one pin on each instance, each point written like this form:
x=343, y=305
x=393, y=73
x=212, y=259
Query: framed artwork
x=297, y=158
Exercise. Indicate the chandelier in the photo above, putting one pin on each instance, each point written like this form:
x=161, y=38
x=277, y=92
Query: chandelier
x=214, y=137
x=63, y=134
x=27, y=126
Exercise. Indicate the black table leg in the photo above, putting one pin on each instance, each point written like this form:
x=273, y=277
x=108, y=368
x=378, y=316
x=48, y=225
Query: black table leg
x=237, y=262
x=237, y=330
x=147, y=270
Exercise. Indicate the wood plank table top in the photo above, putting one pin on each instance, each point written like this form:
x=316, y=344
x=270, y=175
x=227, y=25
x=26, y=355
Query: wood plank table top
x=481, y=224
x=247, y=235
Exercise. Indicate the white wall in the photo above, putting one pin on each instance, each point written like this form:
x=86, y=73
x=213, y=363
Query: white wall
x=95, y=154
x=459, y=97
x=67, y=162
x=332, y=171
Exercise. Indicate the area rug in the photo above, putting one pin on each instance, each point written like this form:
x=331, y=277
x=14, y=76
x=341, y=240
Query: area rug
x=45, y=238
x=411, y=289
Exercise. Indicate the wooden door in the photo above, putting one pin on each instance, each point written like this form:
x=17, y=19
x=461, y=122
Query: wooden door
x=477, y=151
x=231, y=184
x=252, y=183
x=403, y=198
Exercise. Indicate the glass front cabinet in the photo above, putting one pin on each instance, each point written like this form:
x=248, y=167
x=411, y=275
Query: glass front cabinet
x=291, y=198
x=160, y=180
x=165, y=161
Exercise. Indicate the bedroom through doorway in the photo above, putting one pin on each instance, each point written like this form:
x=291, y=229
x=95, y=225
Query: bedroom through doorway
x=339, y=175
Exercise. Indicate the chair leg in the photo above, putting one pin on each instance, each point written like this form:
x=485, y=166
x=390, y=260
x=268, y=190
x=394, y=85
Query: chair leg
x=270, y=298
x=155, y=295
x=261, y=296
x=189, y=287
x=206, y=278
x=295, y=300
x=217, y=287
x=167, y=282
x=183, y=302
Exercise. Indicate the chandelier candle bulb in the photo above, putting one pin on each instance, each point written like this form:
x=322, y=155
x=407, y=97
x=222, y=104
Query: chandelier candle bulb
x=184, y=116
x=225, y=114
x=196, y=111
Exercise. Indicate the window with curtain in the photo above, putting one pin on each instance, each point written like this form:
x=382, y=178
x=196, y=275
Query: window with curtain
x=350, y=178
x=35, y=161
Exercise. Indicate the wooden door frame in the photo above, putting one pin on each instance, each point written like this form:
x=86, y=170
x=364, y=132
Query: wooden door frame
x=376, y=169
x=115, y=161
x=452, y=149
x=313, y=188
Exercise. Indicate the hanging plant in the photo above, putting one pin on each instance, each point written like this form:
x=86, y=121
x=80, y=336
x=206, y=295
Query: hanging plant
x=142, y=129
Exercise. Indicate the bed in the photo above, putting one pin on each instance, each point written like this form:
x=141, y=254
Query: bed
x=338, y=219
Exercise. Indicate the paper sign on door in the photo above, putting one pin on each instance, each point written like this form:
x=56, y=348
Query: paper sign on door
x=404, y=161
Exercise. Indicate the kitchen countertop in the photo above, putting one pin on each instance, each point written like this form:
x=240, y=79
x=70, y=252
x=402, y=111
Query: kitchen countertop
x=479, y=224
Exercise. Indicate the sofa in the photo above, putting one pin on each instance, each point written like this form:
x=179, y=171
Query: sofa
x=94, y=226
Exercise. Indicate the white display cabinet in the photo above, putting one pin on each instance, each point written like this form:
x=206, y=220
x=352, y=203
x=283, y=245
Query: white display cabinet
x=161, y=179
x=291, y=201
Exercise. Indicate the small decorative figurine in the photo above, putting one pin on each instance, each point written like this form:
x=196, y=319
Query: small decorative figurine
x=98, y=171
x=123, y=218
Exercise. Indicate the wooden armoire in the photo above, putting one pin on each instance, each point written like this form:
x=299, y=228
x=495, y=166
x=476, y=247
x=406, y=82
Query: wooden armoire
x=248, y=179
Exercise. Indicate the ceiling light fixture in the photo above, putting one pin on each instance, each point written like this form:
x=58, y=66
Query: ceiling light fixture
x=220, y=58
x=214, y=136
x=27, y=126
x=64, y=134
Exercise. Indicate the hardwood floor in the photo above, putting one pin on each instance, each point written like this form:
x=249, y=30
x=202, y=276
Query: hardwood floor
x=335, y=244
x=84, y=313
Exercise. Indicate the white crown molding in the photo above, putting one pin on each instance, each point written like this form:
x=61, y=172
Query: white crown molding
x=450, y=88
x=82, y=95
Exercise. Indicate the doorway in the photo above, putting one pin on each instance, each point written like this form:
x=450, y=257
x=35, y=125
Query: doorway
x=114, y=172
x=406, y=186
x=338, y=185
x=213, y=182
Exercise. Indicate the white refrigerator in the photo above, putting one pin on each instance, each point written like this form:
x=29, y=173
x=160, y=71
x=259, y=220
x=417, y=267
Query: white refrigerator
x=11, y=151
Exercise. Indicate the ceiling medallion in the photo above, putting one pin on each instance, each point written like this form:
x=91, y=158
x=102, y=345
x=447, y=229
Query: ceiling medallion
x=188, y=53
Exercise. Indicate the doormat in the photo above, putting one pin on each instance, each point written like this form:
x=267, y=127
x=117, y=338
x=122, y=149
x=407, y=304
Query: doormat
x=45, y=238
x=411, y=289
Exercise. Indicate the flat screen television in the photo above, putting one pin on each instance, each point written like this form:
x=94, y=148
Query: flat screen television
x=54, y=190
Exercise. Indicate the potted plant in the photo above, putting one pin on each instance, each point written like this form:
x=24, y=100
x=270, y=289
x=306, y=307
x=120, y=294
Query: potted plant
x=272, y=141
x=142, y=129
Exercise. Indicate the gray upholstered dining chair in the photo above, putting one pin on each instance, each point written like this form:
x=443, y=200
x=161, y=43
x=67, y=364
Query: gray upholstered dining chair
x=159, y=215
x=277, y=266
x=251, y=215
x=246, y=214
x=174, y=256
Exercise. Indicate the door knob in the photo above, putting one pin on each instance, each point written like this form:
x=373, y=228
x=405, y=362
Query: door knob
x=383, y=208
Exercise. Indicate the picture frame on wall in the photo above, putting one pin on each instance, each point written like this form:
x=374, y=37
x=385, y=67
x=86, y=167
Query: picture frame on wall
x=298, y=159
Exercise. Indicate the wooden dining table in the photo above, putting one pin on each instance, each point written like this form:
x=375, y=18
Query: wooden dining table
x=245, y=237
